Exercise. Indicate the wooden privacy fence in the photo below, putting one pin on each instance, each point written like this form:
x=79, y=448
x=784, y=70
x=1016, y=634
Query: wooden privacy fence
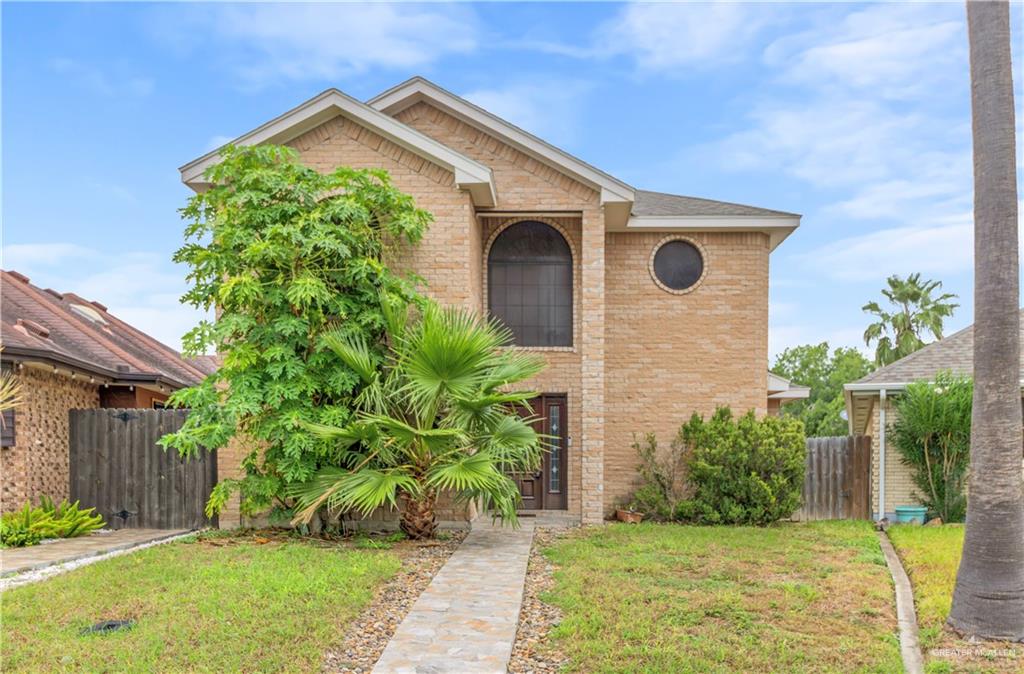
x=118, y=468
x=837, y=483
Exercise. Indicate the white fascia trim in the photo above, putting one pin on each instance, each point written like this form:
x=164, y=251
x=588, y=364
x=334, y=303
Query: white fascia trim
x=400, y=97
x=796, y=393
x=874, y=388
x=469, y=174
x=778, y=228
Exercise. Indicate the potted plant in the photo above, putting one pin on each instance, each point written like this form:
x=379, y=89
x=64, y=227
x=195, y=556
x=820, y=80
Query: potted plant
x=628, y=514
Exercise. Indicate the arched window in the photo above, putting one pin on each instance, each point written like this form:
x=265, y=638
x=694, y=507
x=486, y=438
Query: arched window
x=529, y=274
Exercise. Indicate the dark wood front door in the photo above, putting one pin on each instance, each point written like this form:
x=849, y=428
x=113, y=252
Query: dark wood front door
x=546, y=489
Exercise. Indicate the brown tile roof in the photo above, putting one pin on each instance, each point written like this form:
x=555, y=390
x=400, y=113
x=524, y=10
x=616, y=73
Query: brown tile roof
x=45, y=325
x=955, y=353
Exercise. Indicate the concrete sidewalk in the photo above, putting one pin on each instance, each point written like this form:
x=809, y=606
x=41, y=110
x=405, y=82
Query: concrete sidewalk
x=35, y=557
x=466, y=619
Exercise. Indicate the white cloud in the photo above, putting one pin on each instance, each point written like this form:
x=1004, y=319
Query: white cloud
x=269, y=43
x=670, y=36
x=548, y=108
x=25, y=255
x=140, y=288
x=893, y=50
x=944, y=248
x=103, y=83
x=217, y=141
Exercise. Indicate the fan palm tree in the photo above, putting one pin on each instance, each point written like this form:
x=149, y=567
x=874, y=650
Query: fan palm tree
x=10, y=391
x=436, y=416
x=900, y=333
x=988, y=600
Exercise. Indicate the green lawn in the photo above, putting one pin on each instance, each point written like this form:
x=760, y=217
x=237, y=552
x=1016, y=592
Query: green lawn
x=223, y=604
x=931, y=556
x=667, y=598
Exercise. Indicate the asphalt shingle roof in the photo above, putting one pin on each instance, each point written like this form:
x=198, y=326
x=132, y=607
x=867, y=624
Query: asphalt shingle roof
x=67, y=328
x=662, y=204
x=955, y=353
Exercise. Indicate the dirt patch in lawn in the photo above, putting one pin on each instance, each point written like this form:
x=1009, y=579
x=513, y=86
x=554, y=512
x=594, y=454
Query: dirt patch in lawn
x=368, y=635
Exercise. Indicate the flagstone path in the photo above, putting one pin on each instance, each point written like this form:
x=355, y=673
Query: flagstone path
x=465, y=621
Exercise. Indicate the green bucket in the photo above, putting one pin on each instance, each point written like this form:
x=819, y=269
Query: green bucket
x=910, y=514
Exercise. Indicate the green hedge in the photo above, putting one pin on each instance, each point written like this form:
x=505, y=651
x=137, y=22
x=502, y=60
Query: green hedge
x=740, y=470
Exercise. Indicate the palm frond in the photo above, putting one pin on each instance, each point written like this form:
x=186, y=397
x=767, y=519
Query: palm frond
x=355, y=352
x=362, y=490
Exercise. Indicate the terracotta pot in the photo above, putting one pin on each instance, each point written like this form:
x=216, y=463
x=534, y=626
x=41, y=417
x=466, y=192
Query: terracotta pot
x=629, y=516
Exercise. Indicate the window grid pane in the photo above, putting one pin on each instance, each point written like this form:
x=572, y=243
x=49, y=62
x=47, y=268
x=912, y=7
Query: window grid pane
x=530, y=284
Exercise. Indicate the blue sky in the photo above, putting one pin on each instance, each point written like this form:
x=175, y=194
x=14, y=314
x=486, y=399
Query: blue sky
x=855, y=115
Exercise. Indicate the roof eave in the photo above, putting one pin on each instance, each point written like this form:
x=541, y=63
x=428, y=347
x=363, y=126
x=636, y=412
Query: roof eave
x=778, y=228
x=470, y=175
x=28, y=355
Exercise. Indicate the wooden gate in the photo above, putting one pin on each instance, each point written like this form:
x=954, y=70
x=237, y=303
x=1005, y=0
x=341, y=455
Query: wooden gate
x=837, y=483
x=118, y=468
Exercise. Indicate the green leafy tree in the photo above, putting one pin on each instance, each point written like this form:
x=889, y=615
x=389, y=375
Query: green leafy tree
x=438, y=415
x=900, y=330
x=285, y=254
x=812, y=365
x=932, y=433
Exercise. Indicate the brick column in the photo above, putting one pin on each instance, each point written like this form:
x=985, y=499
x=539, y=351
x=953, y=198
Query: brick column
x=592, y=365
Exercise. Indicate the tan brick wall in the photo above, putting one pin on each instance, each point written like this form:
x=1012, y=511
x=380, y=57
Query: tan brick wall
x=563, y=374
x=642, y=359
x=899, y=481
x=670, y=355
x=38, y=463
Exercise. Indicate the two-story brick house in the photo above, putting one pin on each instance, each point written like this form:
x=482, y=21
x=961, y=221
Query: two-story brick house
x=647, y=306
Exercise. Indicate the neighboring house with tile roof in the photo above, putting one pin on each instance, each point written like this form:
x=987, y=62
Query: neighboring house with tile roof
x=870, y=410
x=71, y=353
x=647, y=307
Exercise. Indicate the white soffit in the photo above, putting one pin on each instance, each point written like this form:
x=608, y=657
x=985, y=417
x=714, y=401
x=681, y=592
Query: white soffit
x=396, y=99
x=776, y=227
x=469, y=174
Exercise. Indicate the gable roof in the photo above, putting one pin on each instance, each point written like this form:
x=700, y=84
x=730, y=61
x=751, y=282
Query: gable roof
x=625, y=208
x=416, y=89
x=469, y=174
x=45, y=326
x=955, y=353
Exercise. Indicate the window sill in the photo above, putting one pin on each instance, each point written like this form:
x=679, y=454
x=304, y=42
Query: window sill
x=556, y=349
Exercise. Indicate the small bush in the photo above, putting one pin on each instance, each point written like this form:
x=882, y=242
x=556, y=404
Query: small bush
x=29, y=525
x=932, y=433
x=742, y=471
x=661, y=478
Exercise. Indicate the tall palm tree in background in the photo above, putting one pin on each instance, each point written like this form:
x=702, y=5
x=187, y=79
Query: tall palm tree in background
x=900, y=333
x=988, y=601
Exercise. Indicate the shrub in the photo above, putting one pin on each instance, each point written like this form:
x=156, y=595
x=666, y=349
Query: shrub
x=742, y=471
x=661, y=477
x=932, y=433
x=29, y=525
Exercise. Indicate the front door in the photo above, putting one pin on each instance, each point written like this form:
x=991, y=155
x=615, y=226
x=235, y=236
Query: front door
x=546, y=488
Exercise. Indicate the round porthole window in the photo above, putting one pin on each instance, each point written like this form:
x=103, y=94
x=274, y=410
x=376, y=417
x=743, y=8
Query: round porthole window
x=677, y=265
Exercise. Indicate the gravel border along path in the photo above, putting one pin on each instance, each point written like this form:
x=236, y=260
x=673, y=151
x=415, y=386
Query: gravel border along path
x=533, y=652
x=366, y=637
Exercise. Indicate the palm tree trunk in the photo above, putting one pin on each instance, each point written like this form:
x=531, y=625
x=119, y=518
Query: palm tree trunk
x=988, y=601
x=419, y=516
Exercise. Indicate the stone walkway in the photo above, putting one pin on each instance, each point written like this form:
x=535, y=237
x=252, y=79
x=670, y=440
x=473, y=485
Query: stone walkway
x=465, y=621
x=34, y=557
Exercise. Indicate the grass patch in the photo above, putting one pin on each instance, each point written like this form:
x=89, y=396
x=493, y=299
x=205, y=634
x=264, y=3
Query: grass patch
x=668, y=598
x=931, y=556
x=213, y=604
